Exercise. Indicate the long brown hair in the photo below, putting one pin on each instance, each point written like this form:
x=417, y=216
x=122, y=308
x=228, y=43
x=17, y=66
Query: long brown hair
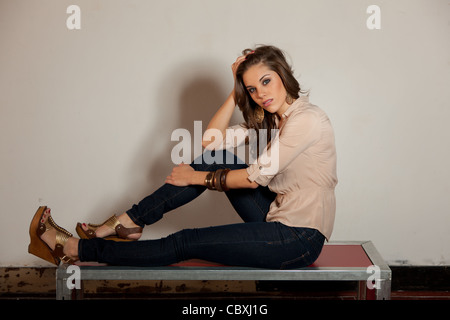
x=275, y=60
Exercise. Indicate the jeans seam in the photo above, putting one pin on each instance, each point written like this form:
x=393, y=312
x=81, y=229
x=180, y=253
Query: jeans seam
x=285, y=264
x=258, y=206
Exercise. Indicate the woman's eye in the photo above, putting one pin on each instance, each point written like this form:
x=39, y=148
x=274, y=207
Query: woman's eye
x=251, y=90
x=266, y=81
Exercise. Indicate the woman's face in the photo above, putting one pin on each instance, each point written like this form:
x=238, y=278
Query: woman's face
x=266, y=88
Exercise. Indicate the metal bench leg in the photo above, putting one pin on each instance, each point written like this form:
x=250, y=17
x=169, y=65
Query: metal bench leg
x=384, y=293
x=361, y=290
x=63, y=279
x=62, y=291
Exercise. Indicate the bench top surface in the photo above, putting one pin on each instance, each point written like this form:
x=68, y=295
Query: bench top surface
x=339, y=256
x=342, y=256
x=335, y=255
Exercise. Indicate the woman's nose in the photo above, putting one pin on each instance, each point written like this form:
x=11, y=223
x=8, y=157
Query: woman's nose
x=261, y=93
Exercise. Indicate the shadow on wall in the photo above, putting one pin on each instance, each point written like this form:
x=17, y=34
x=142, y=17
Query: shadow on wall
x=191, y=92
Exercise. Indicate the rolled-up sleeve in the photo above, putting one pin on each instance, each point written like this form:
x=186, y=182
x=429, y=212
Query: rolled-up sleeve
x=256, y=174
x=300, y=130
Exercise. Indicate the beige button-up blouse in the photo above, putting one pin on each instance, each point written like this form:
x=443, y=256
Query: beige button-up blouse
x=305, y=175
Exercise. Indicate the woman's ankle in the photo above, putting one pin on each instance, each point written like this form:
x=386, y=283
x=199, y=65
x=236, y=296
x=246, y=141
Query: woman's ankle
x=127, y=222
x=71, y=248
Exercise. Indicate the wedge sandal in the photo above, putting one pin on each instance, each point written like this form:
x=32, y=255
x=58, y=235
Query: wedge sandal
x=39, y=248
x=122, y=233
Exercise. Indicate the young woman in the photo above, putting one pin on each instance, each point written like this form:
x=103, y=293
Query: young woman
x=288, y=212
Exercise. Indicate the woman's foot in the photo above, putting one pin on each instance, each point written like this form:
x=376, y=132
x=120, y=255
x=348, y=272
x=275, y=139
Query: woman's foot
x=122, y=226
x=49, y=241
x=70, y=248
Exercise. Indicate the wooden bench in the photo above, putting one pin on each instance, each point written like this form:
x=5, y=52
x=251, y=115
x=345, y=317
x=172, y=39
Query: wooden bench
x=339, y=261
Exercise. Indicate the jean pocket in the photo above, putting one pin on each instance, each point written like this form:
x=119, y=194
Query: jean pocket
x=310, y=244
x=301, y=261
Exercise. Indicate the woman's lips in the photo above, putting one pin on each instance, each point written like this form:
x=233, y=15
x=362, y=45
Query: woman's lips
x=267, y=102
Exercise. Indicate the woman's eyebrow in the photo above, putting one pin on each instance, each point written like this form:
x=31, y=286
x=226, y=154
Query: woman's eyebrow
x=259, y=79
x=264, y=76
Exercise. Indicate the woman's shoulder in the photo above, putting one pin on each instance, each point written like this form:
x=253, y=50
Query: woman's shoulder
x=303, y=107
x=304, y=110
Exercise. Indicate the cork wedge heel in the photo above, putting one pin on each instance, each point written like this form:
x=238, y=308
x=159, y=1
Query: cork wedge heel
x=39, y=248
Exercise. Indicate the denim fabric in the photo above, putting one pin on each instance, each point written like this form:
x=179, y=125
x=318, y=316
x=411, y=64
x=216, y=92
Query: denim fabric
x=254, y=243
x=251, y=204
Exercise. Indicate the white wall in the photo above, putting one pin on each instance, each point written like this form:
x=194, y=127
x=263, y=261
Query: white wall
x=86, y=115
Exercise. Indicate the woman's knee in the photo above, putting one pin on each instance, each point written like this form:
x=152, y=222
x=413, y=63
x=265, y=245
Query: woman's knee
x=215, y=159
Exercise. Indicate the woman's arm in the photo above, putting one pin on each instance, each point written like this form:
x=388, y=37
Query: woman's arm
x=221, y=119
x=184, y=175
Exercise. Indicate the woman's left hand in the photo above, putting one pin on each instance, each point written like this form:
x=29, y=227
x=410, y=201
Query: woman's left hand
x=181, y=175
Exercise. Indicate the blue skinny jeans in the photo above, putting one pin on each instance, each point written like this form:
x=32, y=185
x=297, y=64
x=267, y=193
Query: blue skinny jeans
x=253, y=243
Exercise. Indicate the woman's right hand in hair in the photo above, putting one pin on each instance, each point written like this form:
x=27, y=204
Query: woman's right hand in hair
x=236, y=64
x=238, y=61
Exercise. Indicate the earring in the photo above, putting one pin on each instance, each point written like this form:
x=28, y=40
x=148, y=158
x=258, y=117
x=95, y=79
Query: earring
x=289, y=99
x=259, y=114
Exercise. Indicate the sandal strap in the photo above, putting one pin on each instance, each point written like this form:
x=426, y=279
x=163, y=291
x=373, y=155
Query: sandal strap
x=112, y=222
x=121, y=231
x=62, y=235
x=90, y=233
x=61, y=240
x=53, y=224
